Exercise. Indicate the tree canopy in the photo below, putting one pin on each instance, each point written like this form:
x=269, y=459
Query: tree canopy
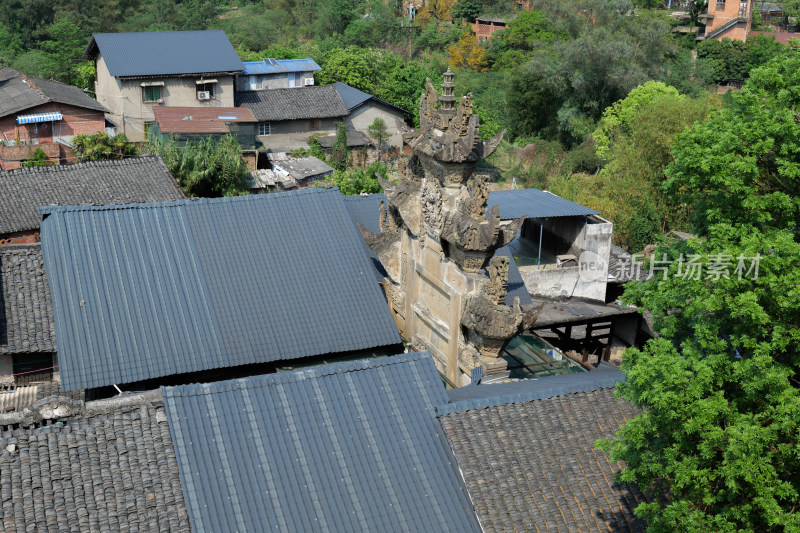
x=720, y=387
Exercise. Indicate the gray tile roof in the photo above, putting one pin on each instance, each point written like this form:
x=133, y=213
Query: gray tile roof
x=303, y=168
x=293, y=104
x=26, y=309
x=162, y=53
x=355, y=139
x=22, y=191
x=534, y=203
x=110, y=472
x=153, y=290
x=345, y=447
x=19, y=92
x=365, y=210
x=533, y=465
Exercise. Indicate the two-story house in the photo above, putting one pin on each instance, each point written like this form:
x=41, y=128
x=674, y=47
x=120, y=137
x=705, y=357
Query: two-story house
x=728, y=19
x=277, y=74
x=138, y=71
x=42, y=114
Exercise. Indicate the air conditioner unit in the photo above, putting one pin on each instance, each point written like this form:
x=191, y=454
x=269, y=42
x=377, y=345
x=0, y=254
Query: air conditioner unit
x=203, y=95
x=309, y=81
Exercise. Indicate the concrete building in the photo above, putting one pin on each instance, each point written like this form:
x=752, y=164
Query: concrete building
x=562, y=248
x=42, y=114
x=277, y=74
x=139, y=71
x=364, y=108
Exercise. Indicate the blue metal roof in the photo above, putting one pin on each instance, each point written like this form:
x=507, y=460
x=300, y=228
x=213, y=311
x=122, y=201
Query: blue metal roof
x=534, y=203
x=346, y=447
x=365, y=210
x=353, y=97
x=150, y=290
x=279, y=66
x=165, y=52
x=605, y=376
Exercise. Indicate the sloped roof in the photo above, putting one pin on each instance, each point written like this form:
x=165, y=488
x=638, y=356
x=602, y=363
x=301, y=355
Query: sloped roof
x=345, y=447
x=19, y=92
x=108, y=472
x=162, y=53
x=138, y=179
x=279, y=66
x=355, y=139
x=365, y=210
x=152, y=290
x=293, y=104
x=26, y=309
x=534, y=203
x=533, y=466
x=354, y=98
x=783, y=37
x=301, y=168
x=199, y=119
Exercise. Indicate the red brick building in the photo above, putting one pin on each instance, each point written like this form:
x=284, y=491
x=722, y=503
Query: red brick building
x=729, y=19
x=42, y=114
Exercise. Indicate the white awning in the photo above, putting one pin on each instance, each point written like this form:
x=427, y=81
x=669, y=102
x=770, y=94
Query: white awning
x=152, y=84
x=201, y=82
x=39, y=117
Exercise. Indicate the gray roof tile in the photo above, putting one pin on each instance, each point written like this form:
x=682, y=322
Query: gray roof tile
x=19, y=92
x=153, y=290
x=139, y=179
x=163, y=53
x=293, y=104
x=111, y=472
x=534, y=203
x=346, y=447
x=26, y=309
x=533, y=465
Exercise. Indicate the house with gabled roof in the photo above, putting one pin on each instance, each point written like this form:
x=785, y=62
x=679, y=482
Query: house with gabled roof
x=209, y=288
x=186, y=124
x=364, y=108
x=42, y=114
x=288, y=117
x=139, y=71
x=22, y=191
x=272, y=73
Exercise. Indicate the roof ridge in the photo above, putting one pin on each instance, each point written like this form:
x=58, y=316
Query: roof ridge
x=461, y=406
x=50, y=209
x=267, y=380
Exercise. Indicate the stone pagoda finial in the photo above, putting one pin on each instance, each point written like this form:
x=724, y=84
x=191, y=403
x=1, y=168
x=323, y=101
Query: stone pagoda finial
x=447, y=98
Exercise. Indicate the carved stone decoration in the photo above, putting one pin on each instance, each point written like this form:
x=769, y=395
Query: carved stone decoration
x=436, y=238
x=432, y=207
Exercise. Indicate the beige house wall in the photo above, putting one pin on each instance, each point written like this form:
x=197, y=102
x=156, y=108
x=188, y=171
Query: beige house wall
x=292, y=134
x=362, y=117
x=125, y=99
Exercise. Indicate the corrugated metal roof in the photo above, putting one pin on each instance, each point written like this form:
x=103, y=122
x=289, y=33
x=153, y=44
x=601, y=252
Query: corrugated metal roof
x=345, y=447
x=365, y=210
x=278, y=66
x=165, y=52
x=199, y=119
x=150, y=290
x=534, y=203
x=482, y=396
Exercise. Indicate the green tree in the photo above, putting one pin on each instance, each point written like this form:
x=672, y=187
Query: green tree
x=101, y=147
x=618, y=116
x=378, y=131
x=341, y=154
x=37, y=159
x=208, y=168
x=356, y=180
x=362, y=68
x=720, y=387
